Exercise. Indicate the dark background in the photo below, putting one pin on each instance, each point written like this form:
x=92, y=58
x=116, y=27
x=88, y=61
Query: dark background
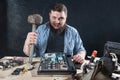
x=97, y=21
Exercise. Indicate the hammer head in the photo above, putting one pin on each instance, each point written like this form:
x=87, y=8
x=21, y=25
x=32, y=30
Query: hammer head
x=35, y=19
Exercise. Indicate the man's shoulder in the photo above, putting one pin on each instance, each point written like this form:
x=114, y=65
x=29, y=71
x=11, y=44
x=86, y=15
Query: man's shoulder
x=43, y=26
x=71, y=28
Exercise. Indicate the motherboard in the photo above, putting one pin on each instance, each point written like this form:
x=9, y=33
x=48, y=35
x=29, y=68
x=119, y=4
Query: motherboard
x=56, y=63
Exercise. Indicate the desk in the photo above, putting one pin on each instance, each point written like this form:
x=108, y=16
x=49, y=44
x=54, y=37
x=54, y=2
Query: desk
x=31, y=75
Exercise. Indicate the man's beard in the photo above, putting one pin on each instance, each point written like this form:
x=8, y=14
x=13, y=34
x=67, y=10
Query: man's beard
x=58, y=31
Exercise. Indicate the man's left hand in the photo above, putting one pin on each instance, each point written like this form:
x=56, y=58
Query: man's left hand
x=78, y=58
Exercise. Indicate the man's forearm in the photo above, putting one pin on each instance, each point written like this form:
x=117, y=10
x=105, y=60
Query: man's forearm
x=26, y=49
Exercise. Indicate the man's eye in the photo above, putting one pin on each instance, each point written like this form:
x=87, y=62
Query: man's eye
x=54, y=17
x=61, y=18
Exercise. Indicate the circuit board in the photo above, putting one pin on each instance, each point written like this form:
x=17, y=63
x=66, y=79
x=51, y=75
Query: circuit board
x=56, y=63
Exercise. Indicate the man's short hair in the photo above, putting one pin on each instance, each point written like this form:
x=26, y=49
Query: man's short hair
x=59, y=7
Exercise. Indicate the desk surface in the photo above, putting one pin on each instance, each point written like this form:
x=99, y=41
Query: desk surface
x=30, y=75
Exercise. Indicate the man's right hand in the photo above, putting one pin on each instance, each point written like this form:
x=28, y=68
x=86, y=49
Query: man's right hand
x=31, y=38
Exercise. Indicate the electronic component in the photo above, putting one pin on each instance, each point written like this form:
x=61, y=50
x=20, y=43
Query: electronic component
x=56, y=63
x=17, y=71
x=9, y=63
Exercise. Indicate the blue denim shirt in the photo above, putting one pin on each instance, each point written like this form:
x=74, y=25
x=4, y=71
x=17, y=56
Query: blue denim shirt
x=72, y=41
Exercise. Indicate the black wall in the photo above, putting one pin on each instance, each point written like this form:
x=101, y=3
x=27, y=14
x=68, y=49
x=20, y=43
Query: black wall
x=3, y=27
x=97, y=21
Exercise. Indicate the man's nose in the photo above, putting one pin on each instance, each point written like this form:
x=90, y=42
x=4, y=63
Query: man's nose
x=57, y=21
